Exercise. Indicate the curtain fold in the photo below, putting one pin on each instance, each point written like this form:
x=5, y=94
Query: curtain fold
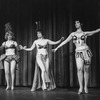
x=56, y=20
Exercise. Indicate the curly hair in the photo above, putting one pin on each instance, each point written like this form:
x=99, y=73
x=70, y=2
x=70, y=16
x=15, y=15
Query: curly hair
x=7, y=33
x=39, y=30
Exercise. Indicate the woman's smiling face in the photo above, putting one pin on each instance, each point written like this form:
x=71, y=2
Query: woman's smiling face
x=77, y=24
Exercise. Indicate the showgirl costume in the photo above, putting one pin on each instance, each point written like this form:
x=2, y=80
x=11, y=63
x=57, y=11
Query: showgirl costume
x=9, y=58
x=37, y=81
x=82, y=50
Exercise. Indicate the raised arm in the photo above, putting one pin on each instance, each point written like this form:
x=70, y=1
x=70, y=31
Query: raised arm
x=92, y=32
x=31, y=48
x=63, y=43
x=56, y=42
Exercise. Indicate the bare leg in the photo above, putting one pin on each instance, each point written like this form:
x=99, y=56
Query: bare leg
x=47, y=66
x=42, y=67
x=80, y=62
x=86, y=77
x=13, y=65
x=7, y=74
x=47, y=72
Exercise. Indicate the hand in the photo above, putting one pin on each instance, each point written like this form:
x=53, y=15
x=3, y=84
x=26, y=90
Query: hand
x=20, y=46
x=54, y=50
x=62, y=39
x=24, y=47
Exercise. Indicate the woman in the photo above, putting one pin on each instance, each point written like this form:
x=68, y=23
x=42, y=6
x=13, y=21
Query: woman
x=82, y=54
x=10, y=59
x=42, y=63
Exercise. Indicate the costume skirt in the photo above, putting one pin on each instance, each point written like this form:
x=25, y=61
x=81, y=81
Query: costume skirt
x=8, y=58
x=84, y=54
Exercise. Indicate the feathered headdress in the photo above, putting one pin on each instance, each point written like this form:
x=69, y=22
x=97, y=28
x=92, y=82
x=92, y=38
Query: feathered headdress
x=8, y=30
x=8, y=27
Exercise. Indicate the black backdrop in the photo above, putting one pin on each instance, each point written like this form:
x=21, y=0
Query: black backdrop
x=56, y=19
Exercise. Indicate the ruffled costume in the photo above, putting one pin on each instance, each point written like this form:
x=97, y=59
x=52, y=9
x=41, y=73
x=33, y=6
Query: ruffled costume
x=85, y=54
x=9, y=58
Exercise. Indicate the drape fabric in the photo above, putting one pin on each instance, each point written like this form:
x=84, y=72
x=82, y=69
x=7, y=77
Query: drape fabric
x=56, y=20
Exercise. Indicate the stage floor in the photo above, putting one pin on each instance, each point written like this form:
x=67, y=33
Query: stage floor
x=24, y=93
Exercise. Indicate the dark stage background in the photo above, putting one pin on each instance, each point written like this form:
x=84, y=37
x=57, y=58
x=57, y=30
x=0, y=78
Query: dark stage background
x=56, y=19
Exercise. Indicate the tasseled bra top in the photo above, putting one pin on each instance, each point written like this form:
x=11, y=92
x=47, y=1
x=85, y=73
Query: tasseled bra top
x=82, y=37
x=42, y=46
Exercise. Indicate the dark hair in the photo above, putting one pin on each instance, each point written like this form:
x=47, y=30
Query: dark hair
x=79, y=22
x=39, y=30
x=7, y=33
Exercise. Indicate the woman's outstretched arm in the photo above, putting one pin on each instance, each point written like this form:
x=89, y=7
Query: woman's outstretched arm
x=56, y=42
x=29, y=49
x=63, y=43
x=89, y=33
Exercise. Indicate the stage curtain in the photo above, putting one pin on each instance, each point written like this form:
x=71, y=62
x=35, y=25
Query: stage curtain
x=56, y=20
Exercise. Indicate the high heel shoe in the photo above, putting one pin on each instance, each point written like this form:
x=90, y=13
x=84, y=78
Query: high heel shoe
x=79, y=92
x=12, y=88
x=44, y=88
x=86, y=90
x=32, y=90
x=7, y=88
